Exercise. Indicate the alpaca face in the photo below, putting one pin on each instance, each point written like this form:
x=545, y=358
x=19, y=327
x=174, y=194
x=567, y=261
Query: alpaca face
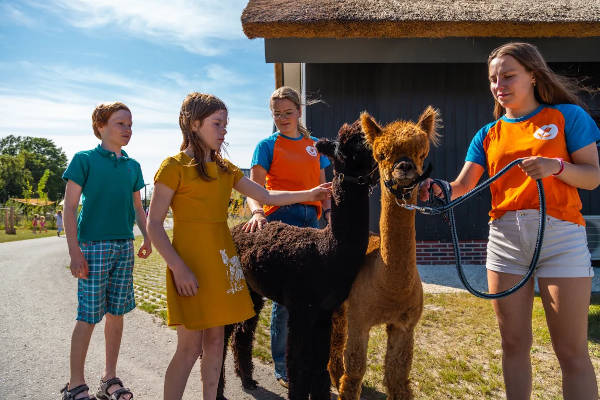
x=400, y=148
x=351, y=154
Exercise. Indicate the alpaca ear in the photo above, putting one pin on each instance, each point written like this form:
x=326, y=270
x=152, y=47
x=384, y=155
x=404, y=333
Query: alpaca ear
x=371, y=129
x=429, y=121
x=326, y=147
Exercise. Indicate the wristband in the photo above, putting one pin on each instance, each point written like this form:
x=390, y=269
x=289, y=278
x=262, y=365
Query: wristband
x=326, y=211
x=562, y=166
x=258, y=211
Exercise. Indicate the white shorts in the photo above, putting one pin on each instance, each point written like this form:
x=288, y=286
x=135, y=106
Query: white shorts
x=511, y=244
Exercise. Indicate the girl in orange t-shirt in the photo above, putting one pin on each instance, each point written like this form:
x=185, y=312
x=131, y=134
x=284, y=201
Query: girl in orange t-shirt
x=541, y=120
x=286, y=160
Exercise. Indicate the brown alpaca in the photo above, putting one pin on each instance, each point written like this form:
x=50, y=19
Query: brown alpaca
x=388, y=288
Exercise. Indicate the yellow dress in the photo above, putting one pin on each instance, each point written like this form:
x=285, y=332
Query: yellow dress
x=202, y=239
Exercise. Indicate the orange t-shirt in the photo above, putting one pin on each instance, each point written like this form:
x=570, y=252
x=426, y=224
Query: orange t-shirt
x=549, y=131
x=291, y=164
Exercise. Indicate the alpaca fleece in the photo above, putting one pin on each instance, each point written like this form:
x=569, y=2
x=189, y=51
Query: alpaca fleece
x=310, y=271
x=388, y=288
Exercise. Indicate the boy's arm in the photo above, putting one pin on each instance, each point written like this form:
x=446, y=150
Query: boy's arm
x=140, y=219
x=79, y=266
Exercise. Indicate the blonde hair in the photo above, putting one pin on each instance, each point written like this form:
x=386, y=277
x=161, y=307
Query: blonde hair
x=196, y=107
x=549, y=88
x=288, y=93
x=102, y=113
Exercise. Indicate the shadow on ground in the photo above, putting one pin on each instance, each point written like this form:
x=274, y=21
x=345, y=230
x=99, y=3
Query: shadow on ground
x=263, y=394
x=372, y=394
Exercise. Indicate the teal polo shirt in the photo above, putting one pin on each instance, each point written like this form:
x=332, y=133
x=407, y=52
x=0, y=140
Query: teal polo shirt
x=107, y=184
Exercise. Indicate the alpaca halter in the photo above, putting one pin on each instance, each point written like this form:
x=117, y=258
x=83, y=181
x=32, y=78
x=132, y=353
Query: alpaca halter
x=369, y=179
x=404, y=192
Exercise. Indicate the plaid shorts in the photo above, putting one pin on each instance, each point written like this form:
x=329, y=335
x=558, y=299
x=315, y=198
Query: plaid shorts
x=109, y=286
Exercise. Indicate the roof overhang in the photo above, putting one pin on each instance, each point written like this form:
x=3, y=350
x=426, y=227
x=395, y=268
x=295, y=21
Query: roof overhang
x=420, y=50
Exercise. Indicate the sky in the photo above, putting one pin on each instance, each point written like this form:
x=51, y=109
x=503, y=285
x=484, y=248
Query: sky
x=60, y=58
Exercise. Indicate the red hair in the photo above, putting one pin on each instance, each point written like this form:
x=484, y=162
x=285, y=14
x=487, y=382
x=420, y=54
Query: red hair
x=102, y=114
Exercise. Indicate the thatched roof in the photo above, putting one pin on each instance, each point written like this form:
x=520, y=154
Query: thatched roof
x=420, y=18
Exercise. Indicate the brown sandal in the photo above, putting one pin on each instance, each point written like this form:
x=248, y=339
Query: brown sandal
x=116, y=395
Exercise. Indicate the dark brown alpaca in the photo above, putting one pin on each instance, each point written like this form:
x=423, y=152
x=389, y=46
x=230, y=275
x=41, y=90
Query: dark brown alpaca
x=388, y=288
x=310, y=271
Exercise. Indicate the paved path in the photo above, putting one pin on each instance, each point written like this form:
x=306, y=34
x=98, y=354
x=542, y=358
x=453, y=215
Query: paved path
x=37, y=314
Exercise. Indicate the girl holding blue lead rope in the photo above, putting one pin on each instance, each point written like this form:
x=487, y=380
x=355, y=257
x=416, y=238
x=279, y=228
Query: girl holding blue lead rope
x=540, y=119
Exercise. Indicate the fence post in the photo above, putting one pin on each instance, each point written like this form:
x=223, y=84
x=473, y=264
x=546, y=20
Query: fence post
x=9, y=222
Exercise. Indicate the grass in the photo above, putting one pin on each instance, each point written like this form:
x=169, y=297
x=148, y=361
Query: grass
x=149, y=282
x=25, y=234
x=457, y=345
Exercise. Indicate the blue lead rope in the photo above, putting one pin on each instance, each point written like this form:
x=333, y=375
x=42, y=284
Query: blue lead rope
x=448, y=208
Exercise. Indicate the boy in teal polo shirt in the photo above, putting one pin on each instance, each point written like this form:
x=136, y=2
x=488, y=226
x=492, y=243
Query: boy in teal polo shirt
x=101, y=244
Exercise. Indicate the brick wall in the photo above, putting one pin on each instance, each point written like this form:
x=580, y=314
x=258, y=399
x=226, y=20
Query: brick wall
x=438, y=253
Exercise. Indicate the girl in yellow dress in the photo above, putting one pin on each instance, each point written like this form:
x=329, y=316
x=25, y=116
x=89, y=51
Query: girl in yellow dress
x=205, y=283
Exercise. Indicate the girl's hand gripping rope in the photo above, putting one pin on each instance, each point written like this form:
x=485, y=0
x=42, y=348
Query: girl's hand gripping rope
x=431, y=190
x=541, y=167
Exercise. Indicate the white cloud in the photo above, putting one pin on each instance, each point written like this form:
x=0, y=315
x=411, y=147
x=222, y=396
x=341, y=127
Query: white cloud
x=199, y=26
x=218, y=73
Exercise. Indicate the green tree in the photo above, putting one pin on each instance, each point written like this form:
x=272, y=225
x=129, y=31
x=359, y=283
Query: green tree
x=27, y=190
x=40, y=154
x=14, y=177
x=41, y=186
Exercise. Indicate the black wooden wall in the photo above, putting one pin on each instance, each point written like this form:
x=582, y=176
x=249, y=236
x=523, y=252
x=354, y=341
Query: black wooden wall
x=402, y=91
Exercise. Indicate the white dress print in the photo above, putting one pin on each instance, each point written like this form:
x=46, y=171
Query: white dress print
x=234, y=272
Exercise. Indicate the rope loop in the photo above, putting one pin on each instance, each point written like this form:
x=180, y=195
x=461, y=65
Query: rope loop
x=448, y=210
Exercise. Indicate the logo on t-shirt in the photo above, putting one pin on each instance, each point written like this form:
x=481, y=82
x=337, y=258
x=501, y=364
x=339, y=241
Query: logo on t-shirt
x=546, y=132
x=312, y=150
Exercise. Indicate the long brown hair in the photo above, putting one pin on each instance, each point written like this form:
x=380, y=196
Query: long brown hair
x=196, y=107
x=550, y=88
x=288, y=93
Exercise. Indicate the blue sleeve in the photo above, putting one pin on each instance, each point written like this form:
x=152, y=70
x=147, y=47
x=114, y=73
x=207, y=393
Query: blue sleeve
x=323, y=160
x=476, y=152
x=580, y=128
x=139, y=179
x=263, y=153
x=78, y=170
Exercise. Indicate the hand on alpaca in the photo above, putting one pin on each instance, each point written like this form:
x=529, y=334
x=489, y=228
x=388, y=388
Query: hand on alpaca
x=321, y=192
x=255, y=223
